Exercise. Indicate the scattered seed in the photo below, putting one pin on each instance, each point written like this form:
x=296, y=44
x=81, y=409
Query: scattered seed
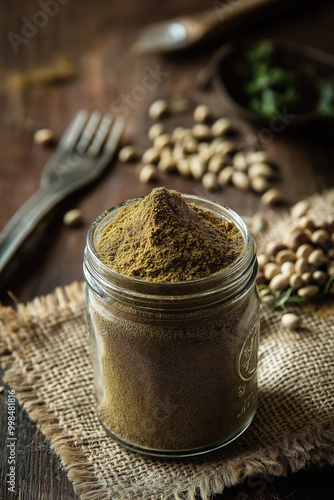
x=178, y=151
x=308, y=291
x=158, y=109
x=271, y=270
x=73, y=218
x=307, y=278
x=127, y=154
x=197, y=167
x=260, y=169
x=215, y=144
x=259, y=183
x=288, y=268
x=279, y=282
x=221, y=127
x=202, y=113
x=190, y=145
x=317, y=258
x=222, y=157
x=227, y=147
x=320, y=277
x=265, y=292
x=204, y=151
x=299, y=209
x=268, y=299
x=306, y=222
x=285, y=255
x=167, y=164
x=258, y=225
x=240, y=180
x=304, y=251
x=162, y=141
x=183, y=167
x=151, y=155
x=308, y=265
x=201, y=131
x=290, y=320
x=239, y=161
x=155, y=130
x=203, y=147
x=166, y=152
x=295, y=280
x=225, y=176
x=178, y=134
x=44, y=137
x=319, y=236
x=272, y=197
x=262, y=260
x=216, y=164
x=297, y=238
x=148, y=173
x=210, y=181
x=257, y=157
x=302, y=266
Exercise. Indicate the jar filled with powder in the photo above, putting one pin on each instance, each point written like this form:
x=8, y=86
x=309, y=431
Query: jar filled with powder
x=173, y=320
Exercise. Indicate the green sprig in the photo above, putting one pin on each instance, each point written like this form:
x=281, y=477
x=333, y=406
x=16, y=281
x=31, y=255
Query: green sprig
x=289, y=296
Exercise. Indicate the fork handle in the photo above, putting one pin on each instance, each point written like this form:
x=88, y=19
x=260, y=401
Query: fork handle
x=24, y=221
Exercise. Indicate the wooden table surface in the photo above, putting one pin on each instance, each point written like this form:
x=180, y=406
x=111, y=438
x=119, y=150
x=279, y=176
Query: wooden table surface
x=94, y=39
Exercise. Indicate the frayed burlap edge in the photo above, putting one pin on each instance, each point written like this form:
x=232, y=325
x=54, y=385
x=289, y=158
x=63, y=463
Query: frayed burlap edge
x=79, y=471
x=313, y=446
x=277, y=461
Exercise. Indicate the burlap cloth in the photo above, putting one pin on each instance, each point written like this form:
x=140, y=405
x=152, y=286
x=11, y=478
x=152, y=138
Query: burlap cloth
x=47, y=361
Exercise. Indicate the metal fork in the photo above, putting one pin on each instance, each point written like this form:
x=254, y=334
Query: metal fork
x=82, y=154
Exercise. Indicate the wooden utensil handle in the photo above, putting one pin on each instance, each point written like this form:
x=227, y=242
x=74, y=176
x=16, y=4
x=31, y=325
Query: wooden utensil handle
x=224, y=12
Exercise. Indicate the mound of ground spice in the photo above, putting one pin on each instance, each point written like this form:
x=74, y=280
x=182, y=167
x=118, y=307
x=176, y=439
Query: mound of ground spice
x=163, y=238
x=175, y=374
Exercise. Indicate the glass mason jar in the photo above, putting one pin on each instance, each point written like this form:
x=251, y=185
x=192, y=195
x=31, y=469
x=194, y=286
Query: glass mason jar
x=175, y=364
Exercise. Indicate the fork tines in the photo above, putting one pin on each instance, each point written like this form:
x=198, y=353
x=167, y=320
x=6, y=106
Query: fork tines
x=88, y=132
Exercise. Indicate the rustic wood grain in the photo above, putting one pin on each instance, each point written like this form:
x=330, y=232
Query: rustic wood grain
x=95, y=38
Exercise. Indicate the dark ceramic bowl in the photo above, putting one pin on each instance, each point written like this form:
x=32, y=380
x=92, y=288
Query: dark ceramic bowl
x=231, y=75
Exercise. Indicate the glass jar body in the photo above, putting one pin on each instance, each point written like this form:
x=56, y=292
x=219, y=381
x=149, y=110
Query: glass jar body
x=175, y=374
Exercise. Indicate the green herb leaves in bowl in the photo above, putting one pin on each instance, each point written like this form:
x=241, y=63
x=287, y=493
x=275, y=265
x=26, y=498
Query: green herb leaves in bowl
x=266, y=77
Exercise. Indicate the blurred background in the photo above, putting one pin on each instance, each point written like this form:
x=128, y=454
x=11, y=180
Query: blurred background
x=59, y=56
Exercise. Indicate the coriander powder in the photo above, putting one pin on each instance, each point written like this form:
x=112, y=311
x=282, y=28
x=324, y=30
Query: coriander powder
x=175, y=358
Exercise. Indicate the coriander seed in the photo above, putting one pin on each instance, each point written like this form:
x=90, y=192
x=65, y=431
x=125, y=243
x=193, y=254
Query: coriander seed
x=127, y=154
x=148, y=173
x=202, y=113
x=158, y=109
x=290, y=320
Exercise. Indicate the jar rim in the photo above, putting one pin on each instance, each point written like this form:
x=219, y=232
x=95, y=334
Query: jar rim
x=229, y=278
